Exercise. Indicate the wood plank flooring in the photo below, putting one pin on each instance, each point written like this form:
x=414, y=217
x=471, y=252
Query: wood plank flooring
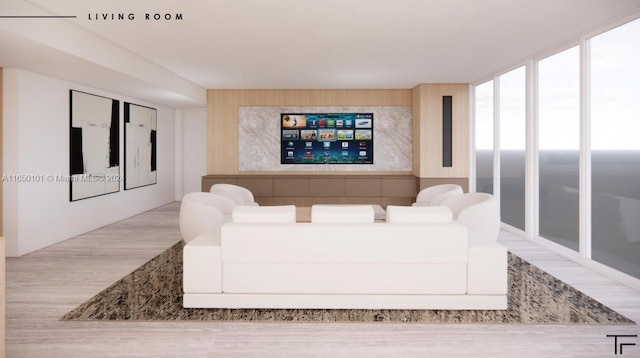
x=44, y=285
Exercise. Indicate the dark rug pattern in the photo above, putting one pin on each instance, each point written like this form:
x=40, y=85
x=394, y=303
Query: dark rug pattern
x=153, y=292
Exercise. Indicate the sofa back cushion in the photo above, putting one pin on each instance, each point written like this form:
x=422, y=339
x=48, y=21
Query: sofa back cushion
x=315, y=243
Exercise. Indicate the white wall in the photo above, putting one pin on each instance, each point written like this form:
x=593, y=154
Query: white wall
x=36, y=143
x=194, y=132
x=191, y=150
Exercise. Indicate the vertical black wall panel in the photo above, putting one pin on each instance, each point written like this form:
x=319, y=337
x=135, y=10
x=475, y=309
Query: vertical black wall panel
x=154, y=149
x=114, y=135
x=76, y=161
x=447, y=131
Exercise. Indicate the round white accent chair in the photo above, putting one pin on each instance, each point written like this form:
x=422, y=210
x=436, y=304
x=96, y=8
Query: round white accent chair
x=434, y=195
x=239, y=194
x=200, y=212
x=480, y=212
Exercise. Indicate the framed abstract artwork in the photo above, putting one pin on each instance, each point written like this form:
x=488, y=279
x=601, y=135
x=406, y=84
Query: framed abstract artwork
x=94, y=145
x=140, y=146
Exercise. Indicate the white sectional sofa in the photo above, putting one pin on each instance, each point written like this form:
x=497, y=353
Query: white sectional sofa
x=264, y=259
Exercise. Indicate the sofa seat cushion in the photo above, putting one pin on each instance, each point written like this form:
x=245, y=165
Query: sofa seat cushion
x=344, y=243
x=264, y=214
x=342, y=214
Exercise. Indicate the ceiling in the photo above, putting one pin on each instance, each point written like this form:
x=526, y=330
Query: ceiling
x=293, y=44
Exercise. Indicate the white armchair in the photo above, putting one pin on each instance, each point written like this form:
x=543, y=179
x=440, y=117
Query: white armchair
x=219, y=201
x=434, y=195
x=198, y=214
x=480, y=212
x=239, y=194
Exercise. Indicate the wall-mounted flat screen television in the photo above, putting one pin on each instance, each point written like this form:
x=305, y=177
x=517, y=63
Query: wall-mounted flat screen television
x=326, y=138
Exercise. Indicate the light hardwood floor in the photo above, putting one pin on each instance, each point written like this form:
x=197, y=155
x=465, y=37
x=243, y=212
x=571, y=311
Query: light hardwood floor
x=45, y=285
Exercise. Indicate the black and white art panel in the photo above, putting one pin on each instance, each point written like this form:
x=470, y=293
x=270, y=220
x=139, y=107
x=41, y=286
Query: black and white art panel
x=140, y=125
x=94, y=145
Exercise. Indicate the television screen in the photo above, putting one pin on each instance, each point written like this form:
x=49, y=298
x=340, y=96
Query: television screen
x=326, y=138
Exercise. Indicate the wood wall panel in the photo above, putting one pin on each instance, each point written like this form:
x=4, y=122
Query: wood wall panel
x=294, y=186
x=327, y=187
x=257, y=186
x=427, y=139
x=418, y=128
x=307, y=190
x=222, y=115
x=2, y=249
x=1, y=153
x=363, y=187
x=300, y=201
x=2, y=298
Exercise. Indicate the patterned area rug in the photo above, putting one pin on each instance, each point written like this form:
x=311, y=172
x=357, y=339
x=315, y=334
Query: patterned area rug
x=154, y=292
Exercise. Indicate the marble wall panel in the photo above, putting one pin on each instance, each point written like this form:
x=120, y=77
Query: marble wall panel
x=259, y=139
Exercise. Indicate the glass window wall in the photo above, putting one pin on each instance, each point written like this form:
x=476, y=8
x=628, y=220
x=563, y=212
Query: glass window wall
x=484, y=137
x=512, y=107
x=615, y=148
x=559, y=147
